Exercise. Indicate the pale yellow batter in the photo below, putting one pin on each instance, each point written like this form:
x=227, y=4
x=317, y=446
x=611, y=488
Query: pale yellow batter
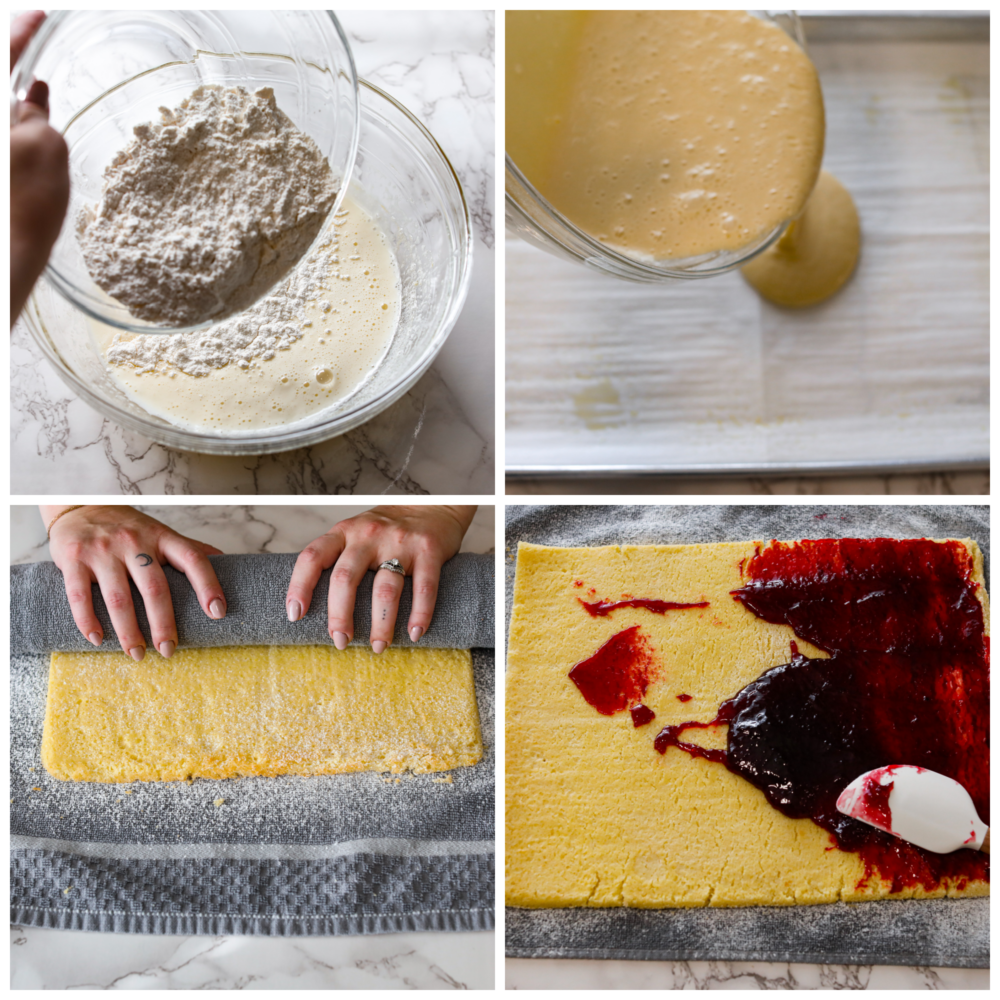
x=816, y=254
x=259, y=710
x=595, y=816
x=666, y=134
x=347, y=328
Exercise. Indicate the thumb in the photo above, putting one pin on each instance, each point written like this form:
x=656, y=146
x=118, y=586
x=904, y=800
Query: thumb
x=35, y=106
x=30, y=113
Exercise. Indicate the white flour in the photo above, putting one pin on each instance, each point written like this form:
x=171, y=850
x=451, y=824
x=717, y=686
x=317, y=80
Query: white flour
x=273, y=324
x=204, y=211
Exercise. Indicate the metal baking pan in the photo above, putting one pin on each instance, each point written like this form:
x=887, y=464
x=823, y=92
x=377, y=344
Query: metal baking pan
x=607, y=377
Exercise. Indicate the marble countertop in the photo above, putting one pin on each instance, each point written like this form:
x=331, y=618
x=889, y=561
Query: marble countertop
x=55, y=959
x=439, y=438
x=528, y=973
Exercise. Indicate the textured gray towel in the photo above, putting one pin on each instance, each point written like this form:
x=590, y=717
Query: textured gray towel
x=891, y=932
x=335, y=854
x=255, y=587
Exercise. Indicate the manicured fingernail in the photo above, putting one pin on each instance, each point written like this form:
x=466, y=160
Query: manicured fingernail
x=415, y=633
x=137, y=653
x=378, y=646
x=217, y=608
x=341, y=639
x=95, y=638
x=167, y=648
x=294, y=611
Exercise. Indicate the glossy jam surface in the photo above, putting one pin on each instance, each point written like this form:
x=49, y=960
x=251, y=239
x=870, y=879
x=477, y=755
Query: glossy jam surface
x=601, y=609
x=906, y=683
x=874, y=806
x=684, y=697
x=642, y=716
x=617, y=675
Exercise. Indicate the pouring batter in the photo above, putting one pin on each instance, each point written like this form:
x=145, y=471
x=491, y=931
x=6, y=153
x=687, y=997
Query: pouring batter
x=669, y=135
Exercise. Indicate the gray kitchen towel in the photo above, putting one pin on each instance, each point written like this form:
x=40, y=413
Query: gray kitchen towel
x=255, y=587
x=333, y=854
x=945, y=932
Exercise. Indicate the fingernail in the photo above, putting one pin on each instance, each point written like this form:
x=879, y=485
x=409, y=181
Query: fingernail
x=294, y=611
x=341, y=639
x=378, y=646
x=95, y=638
x=167, y=648
x=217, y=608
x=415, y=633
x=137, y=653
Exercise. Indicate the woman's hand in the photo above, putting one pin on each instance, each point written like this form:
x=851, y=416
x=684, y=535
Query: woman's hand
x=39, y=177
x=422, y=538
x=107, y=545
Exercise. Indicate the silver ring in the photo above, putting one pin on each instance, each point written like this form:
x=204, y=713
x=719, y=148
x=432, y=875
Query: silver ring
x=393, y=566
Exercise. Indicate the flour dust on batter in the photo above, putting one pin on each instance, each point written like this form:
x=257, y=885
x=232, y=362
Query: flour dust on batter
x=306, y=347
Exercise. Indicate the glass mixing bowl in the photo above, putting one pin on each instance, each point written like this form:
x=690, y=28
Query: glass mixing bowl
x=111, y=70
x=404, y=181
x=531, y=217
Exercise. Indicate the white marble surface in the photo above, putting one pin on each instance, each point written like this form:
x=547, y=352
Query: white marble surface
x=527, y=973
x=56, y=959
x=438, y=439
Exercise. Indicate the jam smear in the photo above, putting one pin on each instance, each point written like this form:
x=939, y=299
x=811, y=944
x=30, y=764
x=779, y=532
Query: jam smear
x=618, y=674
x=875, y=801
x=641, y=715
x=601, y=609
x=684, y=697
x=906, y=682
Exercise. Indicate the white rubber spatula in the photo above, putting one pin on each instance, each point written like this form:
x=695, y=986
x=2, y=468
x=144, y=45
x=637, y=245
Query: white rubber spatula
x=917, y=805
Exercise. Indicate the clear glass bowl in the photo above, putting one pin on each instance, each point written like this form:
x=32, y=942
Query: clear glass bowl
x=111, y=70
x=531, y=217
x=404, y=181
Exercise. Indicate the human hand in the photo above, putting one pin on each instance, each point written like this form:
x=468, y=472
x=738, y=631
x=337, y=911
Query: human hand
x=422, y=538
x=39, y=178
x=107, y=545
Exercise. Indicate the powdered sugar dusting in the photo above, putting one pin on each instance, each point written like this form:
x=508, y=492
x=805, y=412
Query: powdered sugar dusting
x=321, y=809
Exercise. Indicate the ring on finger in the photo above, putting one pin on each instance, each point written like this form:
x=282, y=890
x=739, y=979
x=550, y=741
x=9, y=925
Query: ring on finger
x=393, y=566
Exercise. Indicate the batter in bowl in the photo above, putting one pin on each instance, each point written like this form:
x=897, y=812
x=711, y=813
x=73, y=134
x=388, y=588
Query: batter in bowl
x=307, y=346
x=667, y=135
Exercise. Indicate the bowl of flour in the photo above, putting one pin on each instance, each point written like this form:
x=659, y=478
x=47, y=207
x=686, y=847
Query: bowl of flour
x=346, y=334
x=209, y=152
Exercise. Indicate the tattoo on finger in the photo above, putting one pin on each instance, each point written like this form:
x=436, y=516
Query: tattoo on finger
x=148, y=558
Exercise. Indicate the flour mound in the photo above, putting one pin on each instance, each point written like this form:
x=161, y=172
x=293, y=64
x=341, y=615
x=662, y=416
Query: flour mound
x=272, y=324
x=204, y=212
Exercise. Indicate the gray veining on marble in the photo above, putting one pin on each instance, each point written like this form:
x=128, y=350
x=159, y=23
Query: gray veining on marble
x=524, y=973
x=78, y=960
x=56, y=959
x=438, y=439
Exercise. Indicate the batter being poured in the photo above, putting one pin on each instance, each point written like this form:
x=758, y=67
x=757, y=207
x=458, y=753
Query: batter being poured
x=669, y=135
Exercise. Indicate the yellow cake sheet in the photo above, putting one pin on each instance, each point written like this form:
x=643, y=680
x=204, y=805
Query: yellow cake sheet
x=595, y=816
x=259, y=710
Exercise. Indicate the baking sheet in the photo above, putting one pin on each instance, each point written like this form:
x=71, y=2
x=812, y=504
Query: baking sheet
x=608, y=376
x=944, y=932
